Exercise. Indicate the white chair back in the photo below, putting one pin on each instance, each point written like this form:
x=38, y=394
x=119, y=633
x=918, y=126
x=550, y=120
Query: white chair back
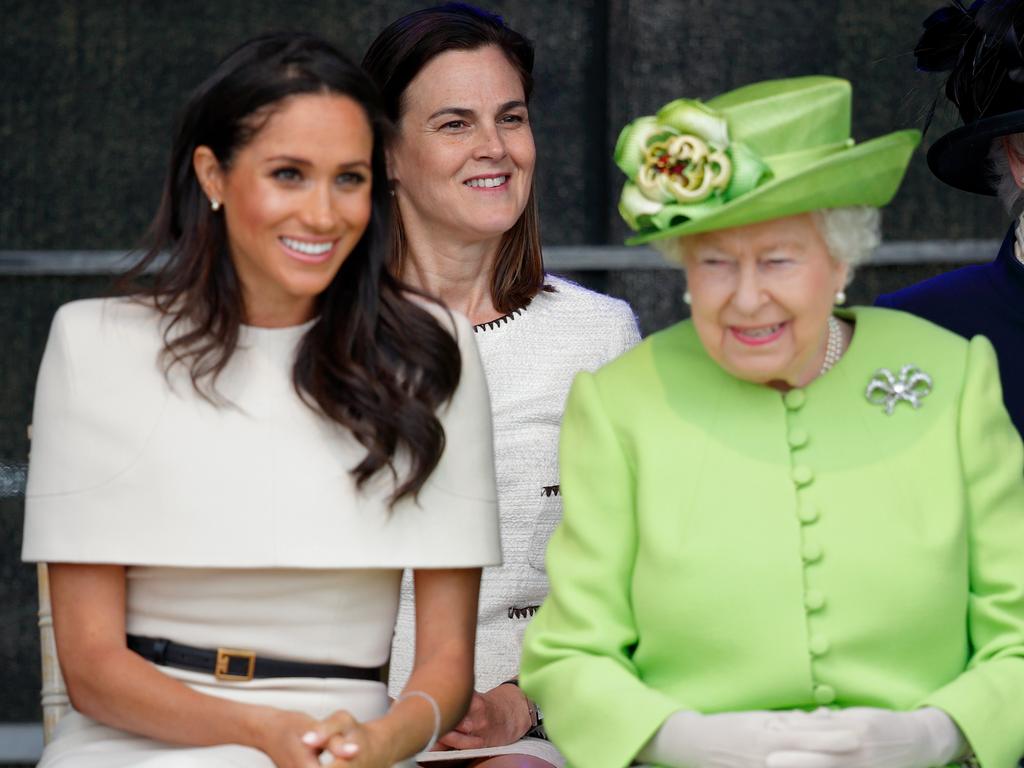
x=54, y=693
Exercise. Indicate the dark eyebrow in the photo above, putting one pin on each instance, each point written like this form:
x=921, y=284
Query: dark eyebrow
x=515, y=104
x=462, y=112
x=304, y=162
x=288, y=159
x=457, y=111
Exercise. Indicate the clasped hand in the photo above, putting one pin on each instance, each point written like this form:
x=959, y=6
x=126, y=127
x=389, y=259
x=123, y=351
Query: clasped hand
x=922, y=738
x=858, y=737
x=295, y=740
x=495, y=718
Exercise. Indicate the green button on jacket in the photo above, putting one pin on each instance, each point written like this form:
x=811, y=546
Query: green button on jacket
x=678, y=578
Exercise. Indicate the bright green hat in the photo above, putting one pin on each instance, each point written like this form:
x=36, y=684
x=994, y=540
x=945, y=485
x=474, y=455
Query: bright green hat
x=761, y=152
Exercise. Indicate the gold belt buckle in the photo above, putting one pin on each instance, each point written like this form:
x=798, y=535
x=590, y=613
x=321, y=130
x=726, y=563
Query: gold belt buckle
x=224, y=657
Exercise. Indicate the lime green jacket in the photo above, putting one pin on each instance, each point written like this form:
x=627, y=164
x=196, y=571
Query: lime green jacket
x=726, y=547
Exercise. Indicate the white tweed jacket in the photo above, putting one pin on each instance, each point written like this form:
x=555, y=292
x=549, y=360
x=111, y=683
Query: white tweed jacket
x=530, y=358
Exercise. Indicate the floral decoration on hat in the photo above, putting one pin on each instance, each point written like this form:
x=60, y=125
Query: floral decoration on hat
x=681, y=163
x=759, y=152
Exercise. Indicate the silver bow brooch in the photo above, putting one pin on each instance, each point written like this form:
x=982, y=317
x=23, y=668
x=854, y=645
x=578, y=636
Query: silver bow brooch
x=887, y=389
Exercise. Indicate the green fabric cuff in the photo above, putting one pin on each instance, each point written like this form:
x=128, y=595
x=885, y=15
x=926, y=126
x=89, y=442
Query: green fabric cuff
x=987, y=704
x=601, y=725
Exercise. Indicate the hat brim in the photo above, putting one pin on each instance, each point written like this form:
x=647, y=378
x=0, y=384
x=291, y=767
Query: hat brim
x=865, y=174
x=960, y=158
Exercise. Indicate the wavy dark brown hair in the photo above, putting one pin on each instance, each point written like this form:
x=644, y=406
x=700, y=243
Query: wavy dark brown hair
x=374, y=362
x=394, y=59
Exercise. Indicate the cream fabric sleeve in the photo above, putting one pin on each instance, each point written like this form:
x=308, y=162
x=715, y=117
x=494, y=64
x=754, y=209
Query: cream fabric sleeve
x=626, y=333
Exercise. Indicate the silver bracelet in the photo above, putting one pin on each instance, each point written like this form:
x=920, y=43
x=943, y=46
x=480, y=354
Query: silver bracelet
x=437, y=715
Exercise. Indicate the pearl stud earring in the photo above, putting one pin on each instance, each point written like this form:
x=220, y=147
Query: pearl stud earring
x=214, y=205
x=687, y=298
x=840, y=297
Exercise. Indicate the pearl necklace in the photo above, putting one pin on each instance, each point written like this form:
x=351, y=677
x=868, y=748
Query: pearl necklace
x=834, y=346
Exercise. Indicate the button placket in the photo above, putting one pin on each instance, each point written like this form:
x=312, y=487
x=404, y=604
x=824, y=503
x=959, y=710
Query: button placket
x=803, y=475
x=811, y=552
x=794, y=399
x=824, y=694
x=819, y=645
x=797, y=437
x=807, y=512
x=814, y=600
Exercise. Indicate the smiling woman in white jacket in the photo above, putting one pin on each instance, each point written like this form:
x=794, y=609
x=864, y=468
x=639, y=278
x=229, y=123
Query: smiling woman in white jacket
x=231, y=468
x=457, y=82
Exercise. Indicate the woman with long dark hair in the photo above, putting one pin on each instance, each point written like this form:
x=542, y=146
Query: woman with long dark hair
x=232, y=466
x=457, y=83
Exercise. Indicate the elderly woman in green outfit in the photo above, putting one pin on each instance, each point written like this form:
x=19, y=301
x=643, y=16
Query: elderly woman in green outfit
x=792, y=533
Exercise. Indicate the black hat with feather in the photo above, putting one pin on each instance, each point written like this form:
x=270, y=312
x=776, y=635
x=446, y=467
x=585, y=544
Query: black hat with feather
x=980, y=46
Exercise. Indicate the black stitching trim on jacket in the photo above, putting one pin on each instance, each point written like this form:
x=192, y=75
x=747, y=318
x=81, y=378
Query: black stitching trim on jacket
x=552, y=490
x=491, y=325
x=523, y=613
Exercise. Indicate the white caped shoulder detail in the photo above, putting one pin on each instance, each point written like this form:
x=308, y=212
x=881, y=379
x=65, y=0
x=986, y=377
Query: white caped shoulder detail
x=467, y=468
x=131, y=466
x=97, y=351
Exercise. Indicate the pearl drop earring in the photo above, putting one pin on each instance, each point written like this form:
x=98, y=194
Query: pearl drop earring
x=687, y=299
x=840, y=296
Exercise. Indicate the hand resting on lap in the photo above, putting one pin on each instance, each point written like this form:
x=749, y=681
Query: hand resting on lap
x=858, y=737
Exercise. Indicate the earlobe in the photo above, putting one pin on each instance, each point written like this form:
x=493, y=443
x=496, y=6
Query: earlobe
x=209, y=174
x=844, y=277
x=392, y=167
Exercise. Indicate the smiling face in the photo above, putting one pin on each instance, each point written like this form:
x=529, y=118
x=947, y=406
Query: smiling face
x=761, y=296
x=463, y=162
x=296, y=201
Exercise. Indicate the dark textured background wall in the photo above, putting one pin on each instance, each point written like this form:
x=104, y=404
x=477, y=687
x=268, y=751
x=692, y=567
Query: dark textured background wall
x=88, y=93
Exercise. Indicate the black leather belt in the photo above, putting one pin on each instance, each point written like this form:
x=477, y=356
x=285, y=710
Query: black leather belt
x=238, y=665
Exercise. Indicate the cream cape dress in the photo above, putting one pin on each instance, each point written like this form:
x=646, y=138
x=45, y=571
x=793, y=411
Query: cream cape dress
x=240, y=522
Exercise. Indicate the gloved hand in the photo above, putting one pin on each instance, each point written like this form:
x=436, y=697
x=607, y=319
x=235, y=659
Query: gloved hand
x=743, y=739
x=923, y=738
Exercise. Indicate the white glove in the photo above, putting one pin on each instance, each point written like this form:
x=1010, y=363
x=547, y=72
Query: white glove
x=924, y=738
x=743, y=739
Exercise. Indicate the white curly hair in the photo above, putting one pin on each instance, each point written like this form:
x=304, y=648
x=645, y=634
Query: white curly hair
x=1007, y=187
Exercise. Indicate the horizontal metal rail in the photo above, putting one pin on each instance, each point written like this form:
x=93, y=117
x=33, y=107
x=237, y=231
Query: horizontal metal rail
x=557, y=258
